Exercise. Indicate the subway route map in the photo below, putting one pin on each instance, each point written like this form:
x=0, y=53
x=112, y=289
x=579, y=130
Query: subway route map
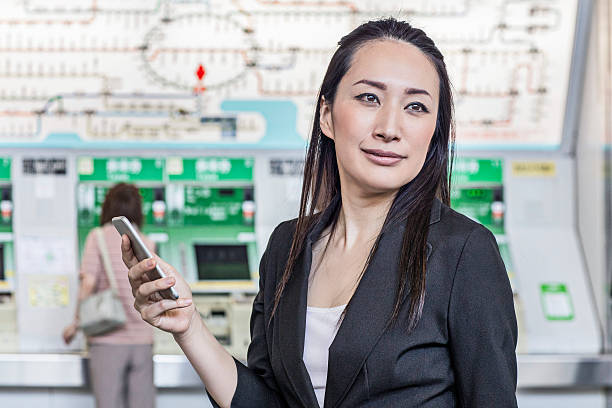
x=188, y=73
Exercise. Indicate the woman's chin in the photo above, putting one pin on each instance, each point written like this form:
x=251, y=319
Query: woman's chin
x=377, y=187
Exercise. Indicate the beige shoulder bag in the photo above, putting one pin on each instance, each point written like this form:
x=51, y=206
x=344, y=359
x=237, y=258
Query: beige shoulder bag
x=102, y=312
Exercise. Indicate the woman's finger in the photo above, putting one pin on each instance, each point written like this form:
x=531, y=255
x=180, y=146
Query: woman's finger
x=127, y=254
x=152, y=312
x=138, y=271
x=136, y=284
x=166, y=267
x=149, y=288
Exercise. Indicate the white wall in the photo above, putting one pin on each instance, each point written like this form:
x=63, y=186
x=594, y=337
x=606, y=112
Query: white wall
x=590, y=168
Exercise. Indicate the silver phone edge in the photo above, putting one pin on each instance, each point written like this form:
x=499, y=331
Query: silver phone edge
x=131, y=233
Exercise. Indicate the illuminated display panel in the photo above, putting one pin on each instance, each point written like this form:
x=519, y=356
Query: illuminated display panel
x=225, y=73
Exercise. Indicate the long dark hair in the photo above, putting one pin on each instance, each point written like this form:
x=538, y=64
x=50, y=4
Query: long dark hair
x=413, y=201
x=122, y=199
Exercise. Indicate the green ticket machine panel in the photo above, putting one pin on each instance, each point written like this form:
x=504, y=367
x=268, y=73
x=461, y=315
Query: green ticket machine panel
x=7, y=267
x=198, y=211
x=478, y=192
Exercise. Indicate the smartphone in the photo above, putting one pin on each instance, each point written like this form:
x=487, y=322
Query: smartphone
x=124, y=226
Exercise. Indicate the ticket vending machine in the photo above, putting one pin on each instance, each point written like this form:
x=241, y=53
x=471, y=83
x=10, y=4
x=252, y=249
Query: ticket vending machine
x=97, y=175
x=477, y=191
x=200, y=212
x=526, y=203
x=8, y=313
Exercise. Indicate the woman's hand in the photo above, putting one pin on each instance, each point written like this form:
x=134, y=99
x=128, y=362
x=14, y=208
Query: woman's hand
x=174, y=316
x=69, y=332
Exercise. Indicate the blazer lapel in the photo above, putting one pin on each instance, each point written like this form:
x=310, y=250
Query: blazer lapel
x=292, y=324
x=367, y=314
x=358, y=332
x=292, y=315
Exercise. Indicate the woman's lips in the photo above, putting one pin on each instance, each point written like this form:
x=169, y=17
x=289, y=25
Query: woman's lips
x=382, y=157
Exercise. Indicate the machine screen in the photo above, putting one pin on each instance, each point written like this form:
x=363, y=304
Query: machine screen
x=1, y=262
x=222, y=262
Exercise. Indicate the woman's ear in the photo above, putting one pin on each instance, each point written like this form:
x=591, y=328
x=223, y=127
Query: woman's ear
x=325, y=119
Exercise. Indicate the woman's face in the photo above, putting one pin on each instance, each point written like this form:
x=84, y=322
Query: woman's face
x=383, y=116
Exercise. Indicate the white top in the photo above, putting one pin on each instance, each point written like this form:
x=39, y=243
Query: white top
x=321, y=327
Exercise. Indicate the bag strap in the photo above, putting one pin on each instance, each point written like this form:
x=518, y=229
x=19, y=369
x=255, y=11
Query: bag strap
x=106, y=260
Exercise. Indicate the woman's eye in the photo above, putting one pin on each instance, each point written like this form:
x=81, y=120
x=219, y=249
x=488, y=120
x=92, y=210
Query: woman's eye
x=417, y=107
x=368, y=97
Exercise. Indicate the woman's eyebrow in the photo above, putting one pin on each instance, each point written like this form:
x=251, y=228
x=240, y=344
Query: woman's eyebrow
x=383, y=87
x=416, y=91
x=375, y=84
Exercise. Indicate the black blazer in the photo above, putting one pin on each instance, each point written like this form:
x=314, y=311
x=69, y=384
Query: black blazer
x=461, y=354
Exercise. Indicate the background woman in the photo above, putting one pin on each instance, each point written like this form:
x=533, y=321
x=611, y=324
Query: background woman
x=120, y=362
x=378, y=294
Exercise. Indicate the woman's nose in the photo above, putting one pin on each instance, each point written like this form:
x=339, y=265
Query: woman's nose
x=387, y=123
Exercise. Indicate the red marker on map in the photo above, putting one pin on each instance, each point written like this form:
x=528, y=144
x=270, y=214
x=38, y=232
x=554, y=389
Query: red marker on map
x=200, y=74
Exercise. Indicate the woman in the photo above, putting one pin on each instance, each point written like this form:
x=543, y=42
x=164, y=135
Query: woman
x=378, y=294
x=120, y=362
